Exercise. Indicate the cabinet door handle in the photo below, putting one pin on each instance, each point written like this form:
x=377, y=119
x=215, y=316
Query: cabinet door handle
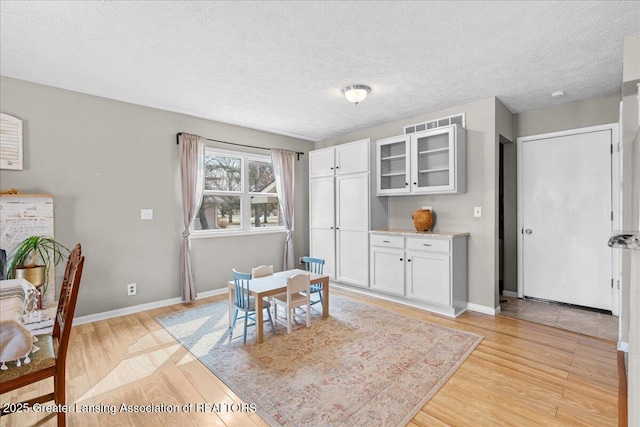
x=426, y=244
x=386, y=241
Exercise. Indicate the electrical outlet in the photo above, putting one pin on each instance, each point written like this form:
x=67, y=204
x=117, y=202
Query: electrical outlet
x=300, y=261
x=132, y=289
x=477, y=212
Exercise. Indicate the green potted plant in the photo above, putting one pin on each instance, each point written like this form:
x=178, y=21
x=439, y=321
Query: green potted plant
x=34, y=258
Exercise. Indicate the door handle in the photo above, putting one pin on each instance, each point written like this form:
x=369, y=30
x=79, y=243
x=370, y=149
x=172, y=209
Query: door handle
x=528, y=231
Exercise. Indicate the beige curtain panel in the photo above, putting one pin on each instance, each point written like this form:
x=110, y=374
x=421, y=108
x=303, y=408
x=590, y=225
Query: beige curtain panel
x=283, y=167
x=192, y=172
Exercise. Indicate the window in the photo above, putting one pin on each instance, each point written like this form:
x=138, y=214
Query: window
x=239, y=194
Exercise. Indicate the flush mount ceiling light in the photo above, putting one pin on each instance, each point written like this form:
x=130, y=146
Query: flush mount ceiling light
x=356, y=93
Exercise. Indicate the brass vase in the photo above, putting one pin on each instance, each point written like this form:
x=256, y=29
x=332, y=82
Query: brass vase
x=423, y=219
x=35, y=275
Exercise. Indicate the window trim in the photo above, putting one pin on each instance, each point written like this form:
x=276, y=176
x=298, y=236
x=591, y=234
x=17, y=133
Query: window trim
x=245, y=198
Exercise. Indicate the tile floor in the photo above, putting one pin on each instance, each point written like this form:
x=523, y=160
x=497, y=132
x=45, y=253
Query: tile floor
x=573, y=319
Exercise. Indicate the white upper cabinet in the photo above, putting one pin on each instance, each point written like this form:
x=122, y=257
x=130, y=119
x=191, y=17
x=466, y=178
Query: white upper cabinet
x=437, y=160
x=352, y=157
x=393, y=165
x=322, y=162
x=339, y=160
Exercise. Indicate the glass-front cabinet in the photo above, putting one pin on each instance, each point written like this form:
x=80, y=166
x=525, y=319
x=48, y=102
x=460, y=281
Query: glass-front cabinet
x=393, y=165
x=428, y=162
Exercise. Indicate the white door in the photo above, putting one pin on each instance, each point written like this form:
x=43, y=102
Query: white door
x=433, y=160
x=566, y=216
x=321, y=162
x=352, y=228
x=392, y=156
x=321, y=222
x=387, y=270
x=428, y=277
x=352, y=157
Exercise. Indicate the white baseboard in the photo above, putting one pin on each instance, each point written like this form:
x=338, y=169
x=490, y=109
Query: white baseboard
x=483, y=309
x=510, y=294
x=623, y=346
x=141, y=307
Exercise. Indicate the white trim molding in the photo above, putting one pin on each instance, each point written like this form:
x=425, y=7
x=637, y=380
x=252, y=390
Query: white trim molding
x=623, y=346
x=483, y=309
x=510, y=294
x=140, y=307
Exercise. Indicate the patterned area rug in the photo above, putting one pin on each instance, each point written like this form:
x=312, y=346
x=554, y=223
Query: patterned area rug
x=362, y=366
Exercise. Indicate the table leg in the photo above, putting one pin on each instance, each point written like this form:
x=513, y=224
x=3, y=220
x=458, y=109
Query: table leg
x=259, y=320
x=231, y=302
x=325, y=297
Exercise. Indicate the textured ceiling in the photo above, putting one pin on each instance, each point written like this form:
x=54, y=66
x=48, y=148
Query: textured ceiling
x=280, y=66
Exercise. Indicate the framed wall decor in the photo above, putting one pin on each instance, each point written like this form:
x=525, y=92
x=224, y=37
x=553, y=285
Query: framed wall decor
x=10, y=142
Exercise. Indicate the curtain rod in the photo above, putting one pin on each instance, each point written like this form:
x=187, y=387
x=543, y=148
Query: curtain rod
x=299, y=153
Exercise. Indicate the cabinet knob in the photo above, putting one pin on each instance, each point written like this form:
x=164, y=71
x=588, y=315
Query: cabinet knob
x=408, y=260
x=406, y=183
x=331, y=167
x=337, y=167
x=401, y=259
x=332, y=228
x=415, y=183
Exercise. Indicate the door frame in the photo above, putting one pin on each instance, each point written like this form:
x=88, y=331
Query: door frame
x=616, y=199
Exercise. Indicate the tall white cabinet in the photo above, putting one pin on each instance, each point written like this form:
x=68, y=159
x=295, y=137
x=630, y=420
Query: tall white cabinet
x=342, y=210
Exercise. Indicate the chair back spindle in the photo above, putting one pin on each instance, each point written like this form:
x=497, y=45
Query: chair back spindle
x=241, y=284
x=313, y=265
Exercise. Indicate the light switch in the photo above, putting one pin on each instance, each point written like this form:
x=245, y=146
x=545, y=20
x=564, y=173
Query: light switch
x=146, y=213
x=477, y=211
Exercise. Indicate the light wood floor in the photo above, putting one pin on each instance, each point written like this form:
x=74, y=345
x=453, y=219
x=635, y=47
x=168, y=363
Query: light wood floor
x=522, y=374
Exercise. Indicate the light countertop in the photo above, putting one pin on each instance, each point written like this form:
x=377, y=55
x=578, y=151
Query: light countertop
x=414, y=233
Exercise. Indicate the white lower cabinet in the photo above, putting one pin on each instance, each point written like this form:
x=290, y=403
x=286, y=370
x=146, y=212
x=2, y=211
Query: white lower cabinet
x=428, y=277
x=429, y=272
x=387, y=270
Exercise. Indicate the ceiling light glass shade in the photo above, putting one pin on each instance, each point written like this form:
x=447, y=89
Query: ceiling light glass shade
x=356, y=93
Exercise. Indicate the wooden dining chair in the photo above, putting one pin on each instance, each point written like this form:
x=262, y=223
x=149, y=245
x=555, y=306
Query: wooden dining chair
x=50, y=359
x=314, y=265
x=245, y=303
x=297, y=295
x=261, y=271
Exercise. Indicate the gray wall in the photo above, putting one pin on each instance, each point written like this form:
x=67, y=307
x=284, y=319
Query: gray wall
x=572, y=115
x=103, y=161
x=455, y=212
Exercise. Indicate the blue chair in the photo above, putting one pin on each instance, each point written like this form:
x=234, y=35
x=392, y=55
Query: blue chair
x=314, y=265
x=245, y=303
